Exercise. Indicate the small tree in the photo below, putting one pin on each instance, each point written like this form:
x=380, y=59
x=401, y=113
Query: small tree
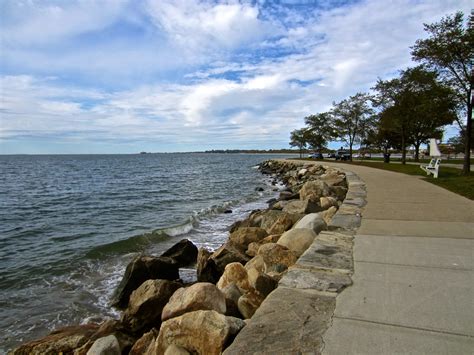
x=319, y=130
x=449, y=49
x=299, y=138
x=349, y=118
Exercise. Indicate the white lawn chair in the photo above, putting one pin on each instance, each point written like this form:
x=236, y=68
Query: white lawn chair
x=435, y=154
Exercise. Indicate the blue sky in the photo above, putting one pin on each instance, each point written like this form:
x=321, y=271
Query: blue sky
x=183, y=75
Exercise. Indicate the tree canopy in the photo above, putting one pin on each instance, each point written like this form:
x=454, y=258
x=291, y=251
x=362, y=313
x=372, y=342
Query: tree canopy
x=449, y=50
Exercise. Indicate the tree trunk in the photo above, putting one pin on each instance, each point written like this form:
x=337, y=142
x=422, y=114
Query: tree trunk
x=404, y=152
x=467, y=148
x=417, y=151
x=301, y=152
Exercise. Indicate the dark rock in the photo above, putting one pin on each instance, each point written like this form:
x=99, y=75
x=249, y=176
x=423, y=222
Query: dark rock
x=206, y=268
x=259, y=189
x=228, y=211
x=141, y=269
x=288, y=195
x=184, y=253
x=146, y=304
x=226, y=254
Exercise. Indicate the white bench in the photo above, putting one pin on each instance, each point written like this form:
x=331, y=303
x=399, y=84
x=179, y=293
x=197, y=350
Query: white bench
x=432, y=167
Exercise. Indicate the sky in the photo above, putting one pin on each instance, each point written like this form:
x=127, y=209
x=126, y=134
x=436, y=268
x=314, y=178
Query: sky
x=125, y=76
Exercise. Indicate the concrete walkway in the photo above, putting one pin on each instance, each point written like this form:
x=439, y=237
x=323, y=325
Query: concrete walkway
x=413, y=286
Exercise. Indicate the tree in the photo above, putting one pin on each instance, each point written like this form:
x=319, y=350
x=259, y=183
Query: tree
x=299, y=138
x=449, y=49
x=319, y=130
x=415, y=105
x=349, y=117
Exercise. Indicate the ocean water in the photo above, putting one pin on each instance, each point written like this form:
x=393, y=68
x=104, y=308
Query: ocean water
x=69, y=224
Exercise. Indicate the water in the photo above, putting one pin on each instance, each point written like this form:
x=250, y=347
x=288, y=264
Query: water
x=69, y=225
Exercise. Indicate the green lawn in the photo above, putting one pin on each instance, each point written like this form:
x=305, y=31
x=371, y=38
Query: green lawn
x=448, y=178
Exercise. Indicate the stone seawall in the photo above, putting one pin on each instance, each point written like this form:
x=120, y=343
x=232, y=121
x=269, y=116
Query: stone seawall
x=294, y=317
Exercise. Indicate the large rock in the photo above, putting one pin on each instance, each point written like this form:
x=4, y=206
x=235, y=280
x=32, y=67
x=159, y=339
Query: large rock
x=232, y=294
x=302, y=206
x=109, y=327
x=64, y=340
x=282, y=224
x=146, y=304
x=339, y=192
x=108, y=345
x=297, y=240
x=328, y=202
x=249, y=303
x=328, y=214
x=226, y=254
x=334, y=178
x=262, y=283
x=267, y=218
x=242, y=237
x=206, y=268
x=139, y=270
x=199, y=332
x=176, y=350
x=274, y=254
x=200, y=296
x=235, y=273
x=256, y=262
x=314, y=190
x=144, y=344
x=313, y=221
x=184, y=253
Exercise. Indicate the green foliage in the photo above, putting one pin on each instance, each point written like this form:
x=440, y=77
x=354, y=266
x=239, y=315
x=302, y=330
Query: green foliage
x=415, y=106
x=319, y=130
x=351, y=117
x=449, y=50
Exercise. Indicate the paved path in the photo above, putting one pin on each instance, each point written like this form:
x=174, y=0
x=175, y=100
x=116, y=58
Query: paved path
x=413, y=288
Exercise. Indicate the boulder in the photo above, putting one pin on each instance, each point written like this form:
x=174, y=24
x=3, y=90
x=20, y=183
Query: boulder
x=108, y=345
x=184, y=253
x=302, y=206
x=232, y=295
x=206, y=268
x=226, y=254
x=279, y=205
x=176, y=350
x=261, y=282
x=139, y=270
x=257, y=263
x=267, y=218
x=249, y=303
x=333, y=178
x=109, y=327
x=339, y=192
x=314, y=190
x=328, y=214
x=146, y=304
x=297, y=240
x=199, y=332
x=64, y=340
x=200, y=296
x=235, y=273
x=281, y=225
x=327, y=202
x=274, y=254
x=142, y=345
x=253, y=247
x=242, y=237
x=312, y=221
x=288, y=195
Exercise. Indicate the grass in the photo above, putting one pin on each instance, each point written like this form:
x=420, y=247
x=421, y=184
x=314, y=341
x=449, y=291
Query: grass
x=448, y=178
x=424, y=161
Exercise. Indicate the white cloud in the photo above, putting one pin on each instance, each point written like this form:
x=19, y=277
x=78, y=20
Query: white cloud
x=253, y=87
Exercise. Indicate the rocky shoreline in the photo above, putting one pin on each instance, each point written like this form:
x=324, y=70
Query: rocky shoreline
x=264, y=256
